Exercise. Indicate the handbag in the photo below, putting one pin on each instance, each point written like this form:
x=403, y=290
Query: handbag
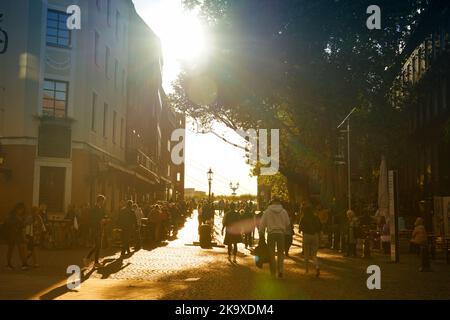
x=261, y=254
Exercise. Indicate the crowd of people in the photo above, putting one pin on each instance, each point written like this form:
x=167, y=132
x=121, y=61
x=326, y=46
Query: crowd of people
x=25, y=230
x=133, y=224
x=319, y=228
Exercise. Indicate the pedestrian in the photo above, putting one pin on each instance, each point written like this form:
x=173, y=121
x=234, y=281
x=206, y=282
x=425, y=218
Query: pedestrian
x=420, y=239
x=98, y=219
x=310, y=226
x=352, y=233
x=385, y=236
x=232, y=226
x=290, y=235
x=248, y=225
x=15, y=235
x=43, y=212
x=276, y=220
x=34, y=229
x=139, y=216
x=127, y=222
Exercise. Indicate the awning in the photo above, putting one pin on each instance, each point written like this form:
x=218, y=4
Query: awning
x=165, y=180
x=131, y=173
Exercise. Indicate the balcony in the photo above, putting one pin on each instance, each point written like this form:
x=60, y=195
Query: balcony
x=138, y=159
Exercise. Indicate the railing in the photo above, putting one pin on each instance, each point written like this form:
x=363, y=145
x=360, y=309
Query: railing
x=139, y=158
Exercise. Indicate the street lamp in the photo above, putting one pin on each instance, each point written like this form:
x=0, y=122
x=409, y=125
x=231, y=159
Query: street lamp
x=234, y=188
x=210, y=176
x=347, y=119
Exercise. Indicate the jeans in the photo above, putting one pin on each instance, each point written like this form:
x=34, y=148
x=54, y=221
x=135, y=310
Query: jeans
x=232, y=247
x=276, y=239
x=311, y=245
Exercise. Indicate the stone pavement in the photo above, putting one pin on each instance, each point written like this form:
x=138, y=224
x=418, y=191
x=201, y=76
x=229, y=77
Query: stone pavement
x=179, y=271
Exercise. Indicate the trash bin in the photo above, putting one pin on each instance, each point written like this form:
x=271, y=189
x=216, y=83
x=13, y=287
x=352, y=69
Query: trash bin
x=205, y=236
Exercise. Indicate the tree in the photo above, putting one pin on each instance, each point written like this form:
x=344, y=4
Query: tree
x=301, y=66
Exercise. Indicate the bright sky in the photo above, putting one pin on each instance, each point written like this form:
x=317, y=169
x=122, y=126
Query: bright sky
x=184, y=38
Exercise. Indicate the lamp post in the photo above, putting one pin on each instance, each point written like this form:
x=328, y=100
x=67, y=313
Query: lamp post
x=234, y=188
x=210, y=175
x=349, y=188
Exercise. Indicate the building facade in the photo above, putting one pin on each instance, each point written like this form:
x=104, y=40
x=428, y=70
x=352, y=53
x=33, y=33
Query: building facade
x=424, y=82
x=80, y=110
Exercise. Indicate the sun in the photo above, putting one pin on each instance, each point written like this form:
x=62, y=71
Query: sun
x=184, y=39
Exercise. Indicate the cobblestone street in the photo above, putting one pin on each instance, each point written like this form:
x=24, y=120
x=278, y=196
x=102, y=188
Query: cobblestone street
x=180, y=270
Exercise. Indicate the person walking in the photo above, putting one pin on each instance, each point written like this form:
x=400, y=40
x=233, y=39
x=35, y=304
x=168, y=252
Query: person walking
x=420, y=239
x=15, y=235
x=290, y=235
x=385, y=236
x=127, y=222
x=276, y=220
x=139, y=214
x=310, y=226
x=248, y=225
x=352, y=233
x=232, y=226
x=98, y=219
x=34, y=229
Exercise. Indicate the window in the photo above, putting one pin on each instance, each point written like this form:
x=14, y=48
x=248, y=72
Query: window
x=168, y=145
x=116, y=71
x=121, y=132
x=117, y=24
x=105, y=119
x=107, y=62
x=94, y=111
x=178, y=177
x=108, y=12
x=114, y=126
x=168, y=170
x=55, y=98
x=57, y=32
x=96, y=43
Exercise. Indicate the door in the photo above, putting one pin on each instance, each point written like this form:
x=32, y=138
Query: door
x=51, y=188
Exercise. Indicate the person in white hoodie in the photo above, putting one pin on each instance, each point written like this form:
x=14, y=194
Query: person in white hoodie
x=276, y=220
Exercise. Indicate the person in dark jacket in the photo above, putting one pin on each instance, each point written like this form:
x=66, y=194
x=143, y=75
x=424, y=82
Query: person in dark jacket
x=232, y=226
x=98, y=219
x=248, y=225
x=127, y=222
x=15, y=235
x=310, y=227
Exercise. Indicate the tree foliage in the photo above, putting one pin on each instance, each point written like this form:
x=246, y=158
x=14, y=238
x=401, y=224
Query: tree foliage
x=300, y=66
